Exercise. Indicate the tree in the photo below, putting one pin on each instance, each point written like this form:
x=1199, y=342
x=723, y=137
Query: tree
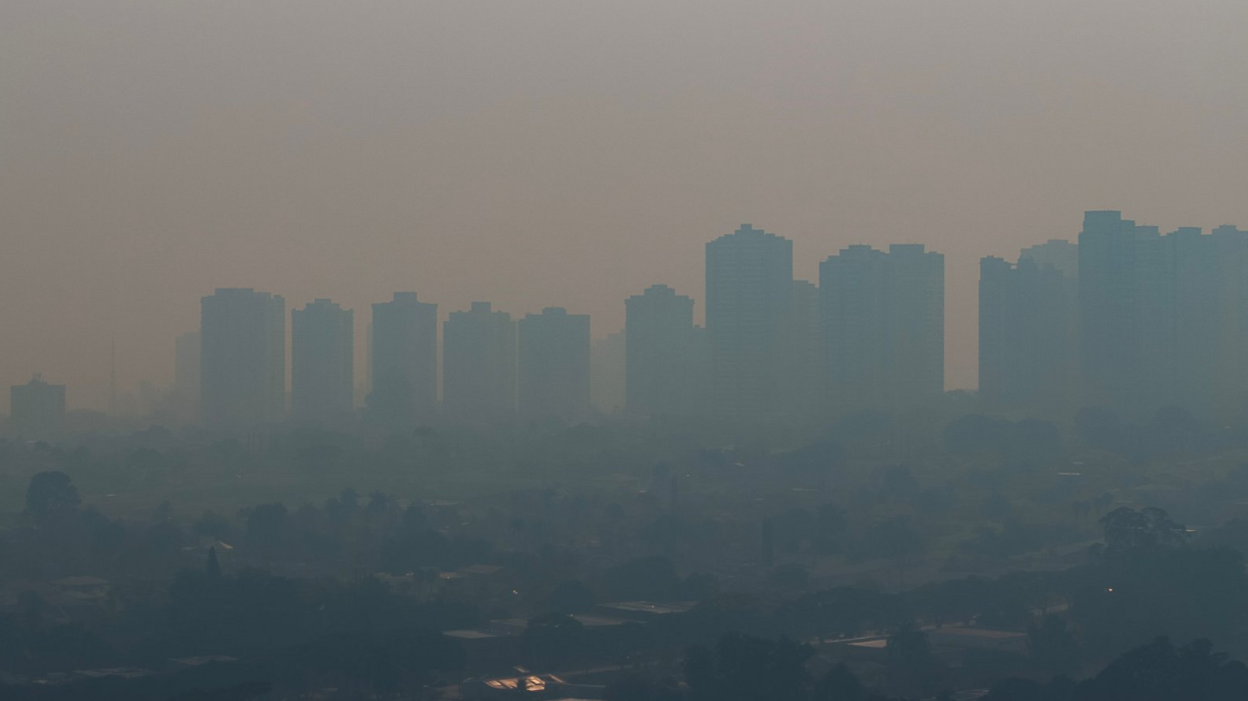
x=571, y=596
x=213, y=567
x=554, y=639
x=265, y=527
x=50, y=493
x=912, y=667
x=1159, y=672
x=974, y=433
x=830, y=527
x=839, y=684
x=791, y=575
x=895, y=539
x=745, y=668
x=1052, y=646
x=1127, y=530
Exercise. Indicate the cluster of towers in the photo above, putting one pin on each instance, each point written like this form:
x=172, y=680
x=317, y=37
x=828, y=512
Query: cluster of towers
x=493, y=367
x=1127, y=318
x=765, y=351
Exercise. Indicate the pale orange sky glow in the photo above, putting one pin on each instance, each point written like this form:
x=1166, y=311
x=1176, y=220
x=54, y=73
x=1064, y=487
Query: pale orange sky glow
x=569, y=152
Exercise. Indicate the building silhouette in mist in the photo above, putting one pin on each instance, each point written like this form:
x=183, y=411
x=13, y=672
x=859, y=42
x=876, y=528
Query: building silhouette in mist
x=883, y=325
x=479, y=365
x=1163, y=319
x=37, y=410
x=242, y=358
x=608, y=373
x=749, y=279
x=1027, y=329
x=322, y=368
x=404, y=360
x=554, y=365
x=801, y=359
x=660, y=372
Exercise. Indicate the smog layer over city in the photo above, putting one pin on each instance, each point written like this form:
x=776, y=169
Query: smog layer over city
x=623, y=350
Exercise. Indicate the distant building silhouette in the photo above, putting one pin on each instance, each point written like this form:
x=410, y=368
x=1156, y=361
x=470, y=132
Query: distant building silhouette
x=479, y=365
x=1027, y=330
x=322, y=352
x=1163, y=319
x=243, y=358
x=801, y=367
x=749, y=279
x=186, y=365
x=1059, y=254
x=37, y=410
x=554, y=365
x=404, y=360
x=659, y=357
x=883, y=326
x=607, y=373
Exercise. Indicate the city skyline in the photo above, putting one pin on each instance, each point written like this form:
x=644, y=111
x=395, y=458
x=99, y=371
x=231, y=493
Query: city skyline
x=1023, y=314
x=141, y=171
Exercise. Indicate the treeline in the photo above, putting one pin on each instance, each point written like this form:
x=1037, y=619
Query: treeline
x=745, y=668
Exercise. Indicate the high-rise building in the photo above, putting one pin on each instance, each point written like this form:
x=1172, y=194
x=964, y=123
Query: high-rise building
x=243, y=358
x=607, y=373
x=852, y=290
x=322, y=369
x=37, y=410
x=186, y=352
x=659, y=355
x=883, y=319
x=749, y=279
x=554, y=365
x=1059, y=254
x=1162, y=317
x=1027, y=327
x=1126, y=295
x=802, y=381
x=479, y=365
x=405, y=360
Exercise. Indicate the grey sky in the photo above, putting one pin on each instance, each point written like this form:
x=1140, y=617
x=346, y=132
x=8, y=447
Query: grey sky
x=531, y=152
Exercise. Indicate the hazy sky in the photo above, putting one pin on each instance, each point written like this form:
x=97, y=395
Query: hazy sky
x=534, y=152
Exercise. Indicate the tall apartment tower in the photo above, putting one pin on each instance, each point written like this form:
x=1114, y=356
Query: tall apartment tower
x=1210, y=320
x=322, y=367
x=404, y=360
x=801, y=371
x=479, y=365
x=1027, y=330
x=883, y=325
x=1163, y=319
x=608, y=371
x=554, y=365
x=242, y=358
x=37, y=410
x=749, y=279
x=186, y=352
x=659, y=353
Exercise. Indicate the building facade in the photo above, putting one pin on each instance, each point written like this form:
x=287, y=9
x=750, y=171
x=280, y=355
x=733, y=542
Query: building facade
x=882, y=321
x=322, y=363
x=242, y=358
x=479, y=365
x=404, y=360
x=554, y=369
x=1162, y=317
x=1027, y=334
x=749, y=279
x=660, y=372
